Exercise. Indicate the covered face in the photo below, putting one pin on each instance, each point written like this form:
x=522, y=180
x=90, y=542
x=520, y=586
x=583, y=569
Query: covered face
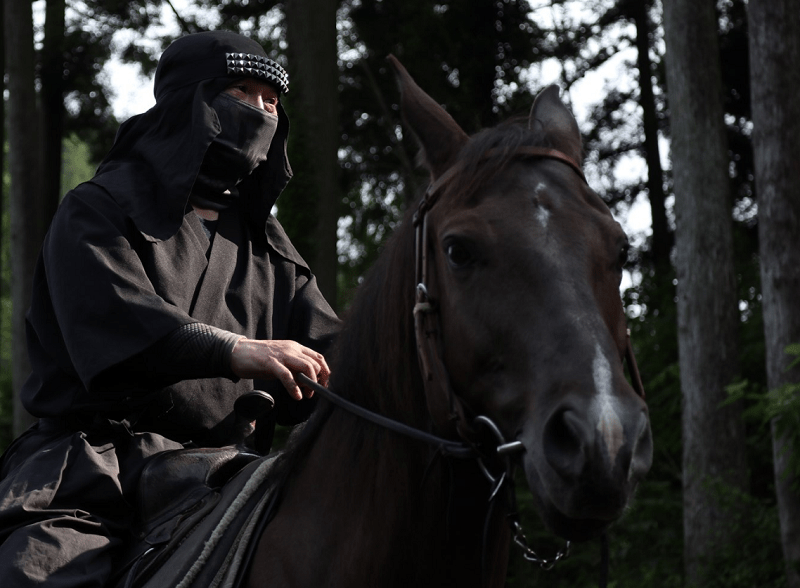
x=241, y=146
x=200, y=140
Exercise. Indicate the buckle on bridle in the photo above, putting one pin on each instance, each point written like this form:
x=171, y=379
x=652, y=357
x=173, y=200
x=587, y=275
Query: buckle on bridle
x=423, y=302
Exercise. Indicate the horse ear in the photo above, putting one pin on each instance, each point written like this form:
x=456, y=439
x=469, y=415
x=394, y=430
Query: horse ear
x=554, y=118
x=438, y=134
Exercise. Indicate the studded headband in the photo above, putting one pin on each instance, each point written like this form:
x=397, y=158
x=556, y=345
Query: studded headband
x=247, y=64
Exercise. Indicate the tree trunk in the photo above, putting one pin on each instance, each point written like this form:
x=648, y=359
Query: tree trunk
x=27, y=228
x=52, y=111
x=774, y=27
x=2, y=173
x=661, y=241
x=311, y=34
x=713, y=437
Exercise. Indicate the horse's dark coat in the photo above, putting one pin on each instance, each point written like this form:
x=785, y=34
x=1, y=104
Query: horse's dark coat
x=525, y=264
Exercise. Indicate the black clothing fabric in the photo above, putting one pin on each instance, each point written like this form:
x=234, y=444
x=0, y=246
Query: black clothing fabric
x=192, y=351
x=157, y=155
x=126, y=264
x=135, y=292
x=240, y=147
x=66, y=503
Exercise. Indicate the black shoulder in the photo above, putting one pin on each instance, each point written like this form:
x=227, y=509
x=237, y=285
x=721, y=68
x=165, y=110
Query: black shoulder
x=280, y=243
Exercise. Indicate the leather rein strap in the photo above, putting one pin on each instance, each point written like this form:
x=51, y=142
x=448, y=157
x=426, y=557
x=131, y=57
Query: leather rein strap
x=444, y=446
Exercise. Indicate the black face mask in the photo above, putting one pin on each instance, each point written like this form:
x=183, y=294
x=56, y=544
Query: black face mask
x=241, y=146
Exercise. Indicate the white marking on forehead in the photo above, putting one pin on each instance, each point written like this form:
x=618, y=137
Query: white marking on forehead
x=609, y=426
x=542, y=214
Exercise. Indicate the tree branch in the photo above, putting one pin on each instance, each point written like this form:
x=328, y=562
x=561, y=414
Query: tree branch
x=186, y=28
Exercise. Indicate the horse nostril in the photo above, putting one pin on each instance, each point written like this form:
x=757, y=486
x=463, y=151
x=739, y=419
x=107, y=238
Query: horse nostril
x=564, y=443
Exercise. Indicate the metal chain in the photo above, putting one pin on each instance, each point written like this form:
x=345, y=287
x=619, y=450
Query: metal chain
x=530, y=555
x=504, y=452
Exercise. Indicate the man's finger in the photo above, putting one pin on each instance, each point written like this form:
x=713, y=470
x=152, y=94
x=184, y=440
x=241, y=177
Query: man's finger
x=287, y=379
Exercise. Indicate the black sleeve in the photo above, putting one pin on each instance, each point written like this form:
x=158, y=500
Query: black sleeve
x=192, y=351
x=105, y=309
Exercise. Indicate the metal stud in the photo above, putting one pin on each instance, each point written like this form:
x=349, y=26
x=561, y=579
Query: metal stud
x=259, y=66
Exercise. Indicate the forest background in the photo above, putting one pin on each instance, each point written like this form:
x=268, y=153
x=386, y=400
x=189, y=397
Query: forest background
x=690, y=119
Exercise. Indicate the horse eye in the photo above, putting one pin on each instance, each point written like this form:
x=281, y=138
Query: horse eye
x=457, y=255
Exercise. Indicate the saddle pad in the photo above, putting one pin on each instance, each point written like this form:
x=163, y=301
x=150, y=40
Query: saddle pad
x=210, y=545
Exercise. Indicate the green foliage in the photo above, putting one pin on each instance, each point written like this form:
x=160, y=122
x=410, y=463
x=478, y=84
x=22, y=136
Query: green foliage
x=6, y=408
x=299, y=199
x=754, y=558
x=77, y=165
x=779, y=407
x=470, y=57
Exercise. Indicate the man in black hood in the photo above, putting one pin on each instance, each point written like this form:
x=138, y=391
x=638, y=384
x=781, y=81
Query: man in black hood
x=164, y=291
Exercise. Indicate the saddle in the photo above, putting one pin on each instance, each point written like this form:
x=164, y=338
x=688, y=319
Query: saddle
x=195, y=507
x=201, y=535
x=174, y=480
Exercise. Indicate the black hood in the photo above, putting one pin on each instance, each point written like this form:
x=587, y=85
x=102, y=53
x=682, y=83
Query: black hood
x=154, y=161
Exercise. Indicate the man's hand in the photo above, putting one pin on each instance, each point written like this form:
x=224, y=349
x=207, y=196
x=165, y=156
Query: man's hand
x=279, y=359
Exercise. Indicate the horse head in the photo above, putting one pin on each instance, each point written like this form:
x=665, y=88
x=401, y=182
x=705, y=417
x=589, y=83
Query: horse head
x=522, y=263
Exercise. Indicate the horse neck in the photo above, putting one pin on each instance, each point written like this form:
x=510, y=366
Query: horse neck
x=368, y=506
x=384, y=511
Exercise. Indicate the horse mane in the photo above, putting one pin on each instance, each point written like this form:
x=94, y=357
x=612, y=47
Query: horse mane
x=374, y=360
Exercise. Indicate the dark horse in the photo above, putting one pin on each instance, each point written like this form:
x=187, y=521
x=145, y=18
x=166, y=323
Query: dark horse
x=509, y=290
x=523, y=264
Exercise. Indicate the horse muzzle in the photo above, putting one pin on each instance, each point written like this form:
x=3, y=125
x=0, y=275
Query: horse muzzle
x=589, y=461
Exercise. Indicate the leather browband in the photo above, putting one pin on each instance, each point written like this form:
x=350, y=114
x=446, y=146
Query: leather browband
x=432, y=193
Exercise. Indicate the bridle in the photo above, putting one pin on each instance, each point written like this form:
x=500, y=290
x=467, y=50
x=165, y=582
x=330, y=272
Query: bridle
x=446, y=411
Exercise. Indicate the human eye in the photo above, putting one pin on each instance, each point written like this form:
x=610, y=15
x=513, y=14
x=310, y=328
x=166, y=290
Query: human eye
x=270, y=104
x=238, y=87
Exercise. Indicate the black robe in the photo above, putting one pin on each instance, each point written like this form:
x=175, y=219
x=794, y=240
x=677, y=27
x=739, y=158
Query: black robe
x=129, y=292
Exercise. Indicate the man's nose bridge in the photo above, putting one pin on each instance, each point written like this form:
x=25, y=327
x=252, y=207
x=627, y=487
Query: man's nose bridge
x=255, y=99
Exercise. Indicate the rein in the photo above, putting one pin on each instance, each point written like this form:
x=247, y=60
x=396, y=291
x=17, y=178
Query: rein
x=444, y=446
x=503, y=450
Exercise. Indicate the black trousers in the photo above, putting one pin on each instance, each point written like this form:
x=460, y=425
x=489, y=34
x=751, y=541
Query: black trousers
x=67, y=502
